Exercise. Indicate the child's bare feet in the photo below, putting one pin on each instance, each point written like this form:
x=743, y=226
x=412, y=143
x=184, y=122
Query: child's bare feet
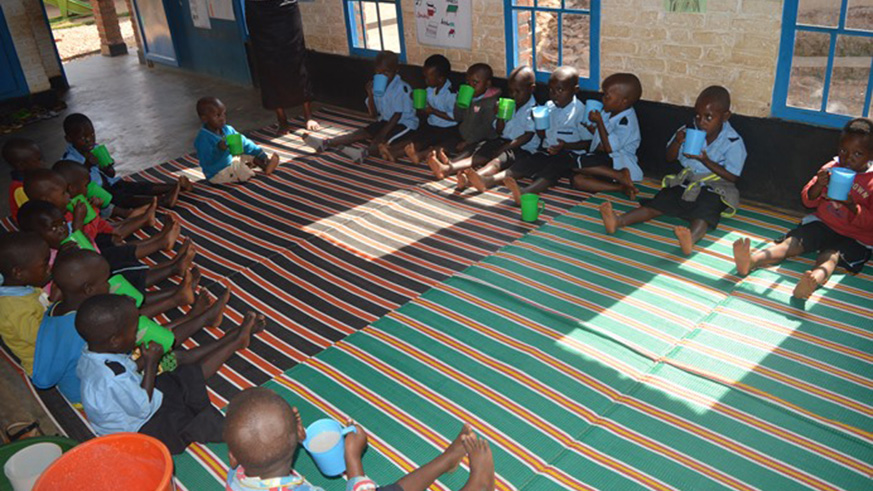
x=139, y=211
x=185, y=257
x=610, y=220
x=385, y=152
x=514, y=189
x=216, y=310
x=743, y=256
x=409, y=149
x=170, y=199
x=685, y=242
x=186, y=184
x=456, y=451
x=806, y=286
x=441, y=154
x=271, y=164
x=252, y=324
x=435, y=166
x=185, y=291
x=627, y=184
x=150, y=211
x=175, y=229
x=462, y=181
x=476, y=180
x=301, y=430
x=481, y=465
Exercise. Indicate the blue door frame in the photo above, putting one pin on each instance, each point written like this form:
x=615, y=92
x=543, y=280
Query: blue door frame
x=157, y=38
x=352, y=31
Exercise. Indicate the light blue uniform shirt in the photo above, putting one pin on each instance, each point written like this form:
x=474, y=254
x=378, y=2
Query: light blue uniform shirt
x=396, y=99
x=565, y=123
x=96, y=176
x=112, y=396
x=444, y=101
x=522, y=122
x=58, y=348
x=624, y=138
x=727, y=150
x=213, y=159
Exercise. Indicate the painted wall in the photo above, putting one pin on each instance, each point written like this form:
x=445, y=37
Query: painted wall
x=735, y=43
x=33, y=43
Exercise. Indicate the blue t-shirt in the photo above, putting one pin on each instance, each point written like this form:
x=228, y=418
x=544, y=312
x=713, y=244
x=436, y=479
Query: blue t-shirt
x=520, y=123
x=566, y=123
x=727, y=150
x=58, y=348
x=443, y=101
x=396, y=99
x=70, y=153
x=623, y=130
x=213, y=159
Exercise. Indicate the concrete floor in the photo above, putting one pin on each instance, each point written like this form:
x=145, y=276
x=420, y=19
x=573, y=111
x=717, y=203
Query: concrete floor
x=145, y=116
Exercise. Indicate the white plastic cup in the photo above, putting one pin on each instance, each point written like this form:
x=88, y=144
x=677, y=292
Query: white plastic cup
x=26, y=465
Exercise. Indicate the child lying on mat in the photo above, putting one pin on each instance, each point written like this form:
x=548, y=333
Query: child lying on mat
x=840, y=231
x=24, y=266
x=173, y=406
x=705, y=189
x=79, y=133
x=219, y=165
x=262, y=433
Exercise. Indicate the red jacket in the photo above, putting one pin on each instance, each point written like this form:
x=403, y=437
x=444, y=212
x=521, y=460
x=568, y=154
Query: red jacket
x=16, y=197
x=856, y=224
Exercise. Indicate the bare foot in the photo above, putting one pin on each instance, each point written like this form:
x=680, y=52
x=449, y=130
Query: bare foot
x=252, y=324
x=481, y=465
x=456, y=451
x=441, y=154
x=170, y=199
x=476, y=180
x=139, y=211
x=435, y=166
x=806, y=286
x=409, y=149
x=610, y=219
x=301, y=430
x=462, y=181
x=271, y=164
x=216, y=310
x=514, y=189
x=173, y=235
x=627, y=184
x=185, y=291
x=186, y=184
x=684, y=236
x=185, y=257
x=150, y=212
x=743, y=256
x=385, y=152
x=201, y=304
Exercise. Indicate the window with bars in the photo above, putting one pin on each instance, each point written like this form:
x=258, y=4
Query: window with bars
x=374, y=26
x=546, y=34
x=824, y=73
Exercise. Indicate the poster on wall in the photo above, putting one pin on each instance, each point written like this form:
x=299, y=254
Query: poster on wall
x=200, y=13
x=693, y=6
x=221, y=9
x=445, y=23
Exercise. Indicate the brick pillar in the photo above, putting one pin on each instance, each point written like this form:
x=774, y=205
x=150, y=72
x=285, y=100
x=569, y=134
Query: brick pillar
x=133, y=21
x=111, y=42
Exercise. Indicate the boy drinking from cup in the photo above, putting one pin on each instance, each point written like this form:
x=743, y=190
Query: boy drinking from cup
x=220, y=163
x=262, y=433
x=840, y=231
x=705, y=189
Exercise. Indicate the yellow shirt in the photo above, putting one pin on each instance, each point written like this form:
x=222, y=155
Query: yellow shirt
x=20, y=317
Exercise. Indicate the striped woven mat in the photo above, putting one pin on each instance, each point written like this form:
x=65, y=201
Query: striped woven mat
x=598, y=362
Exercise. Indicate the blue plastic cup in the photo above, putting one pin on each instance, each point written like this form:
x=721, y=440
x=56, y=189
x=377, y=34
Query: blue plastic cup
x=325, y=443
x=694, y=140
x=841, y=183
x=592, y=105
x=380, y=83
x=541, y=117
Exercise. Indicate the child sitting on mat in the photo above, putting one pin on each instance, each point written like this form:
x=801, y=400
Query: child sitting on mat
x=173, y=407
x=476, y=122
x=24, y=271
x=705, y=189
x=79, y=133
x=22, y=155
x=219, y=165
x=262, y=433
x=840, y=231
x=393, y=109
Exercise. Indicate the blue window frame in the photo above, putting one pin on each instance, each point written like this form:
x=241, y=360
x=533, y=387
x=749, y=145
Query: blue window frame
x=373, y=26
x=825, y=71
x=546, y=34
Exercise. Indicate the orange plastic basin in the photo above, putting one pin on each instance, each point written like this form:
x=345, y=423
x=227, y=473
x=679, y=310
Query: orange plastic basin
x=128, y=461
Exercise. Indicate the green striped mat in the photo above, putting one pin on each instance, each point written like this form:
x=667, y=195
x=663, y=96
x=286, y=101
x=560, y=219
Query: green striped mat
x=591, y=361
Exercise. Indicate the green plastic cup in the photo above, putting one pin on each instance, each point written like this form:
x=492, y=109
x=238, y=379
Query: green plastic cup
x=80, y=239
x=90, y=214
x=234, y=144
x=149, y=331
x=531, y=207
x=465, y=96
x=419, y=98
x=96, y=191
x=118, y=285
x=103, y=157
x=505, y=109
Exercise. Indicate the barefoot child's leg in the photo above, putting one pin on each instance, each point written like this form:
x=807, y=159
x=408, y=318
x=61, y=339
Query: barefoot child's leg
x=161, y=301
x=180, y=263
x=746, y=261
x=481, y=465
x=125, y=228
x=194, y=322
x=163, y=240
x=512, y=184
x=421, y=478
x=230, y=343
x=613, y=221
x=438, y=168
x=825, y=264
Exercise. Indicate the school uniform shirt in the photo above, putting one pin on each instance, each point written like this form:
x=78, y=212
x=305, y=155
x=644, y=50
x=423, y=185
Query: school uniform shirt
x=112, y=396
x=21, y=311
x=565, y=123
x=96, y=176
x=58, y=348
x=624, y=138
x=520, y=123
x=213, y=159
x=396, y=99
x=443, y=101
x=727, y=150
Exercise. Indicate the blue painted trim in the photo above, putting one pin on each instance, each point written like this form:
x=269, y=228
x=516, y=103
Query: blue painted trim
x=867, y=94
x=511, y=51
x=352, y=34
x=145, y=44
x=826, y=87
x=54, y=45
x=17, y=73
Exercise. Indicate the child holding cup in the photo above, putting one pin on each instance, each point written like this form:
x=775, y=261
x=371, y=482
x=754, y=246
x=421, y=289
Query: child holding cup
x=225, y=155
x=839, y=230
x=704, y=190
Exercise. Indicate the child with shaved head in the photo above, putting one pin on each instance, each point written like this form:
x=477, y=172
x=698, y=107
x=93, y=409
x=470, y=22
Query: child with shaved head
x=704, y=190
x=262, y=432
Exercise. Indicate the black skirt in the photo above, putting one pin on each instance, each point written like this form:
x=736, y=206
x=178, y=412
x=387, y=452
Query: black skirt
x=276, y=31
